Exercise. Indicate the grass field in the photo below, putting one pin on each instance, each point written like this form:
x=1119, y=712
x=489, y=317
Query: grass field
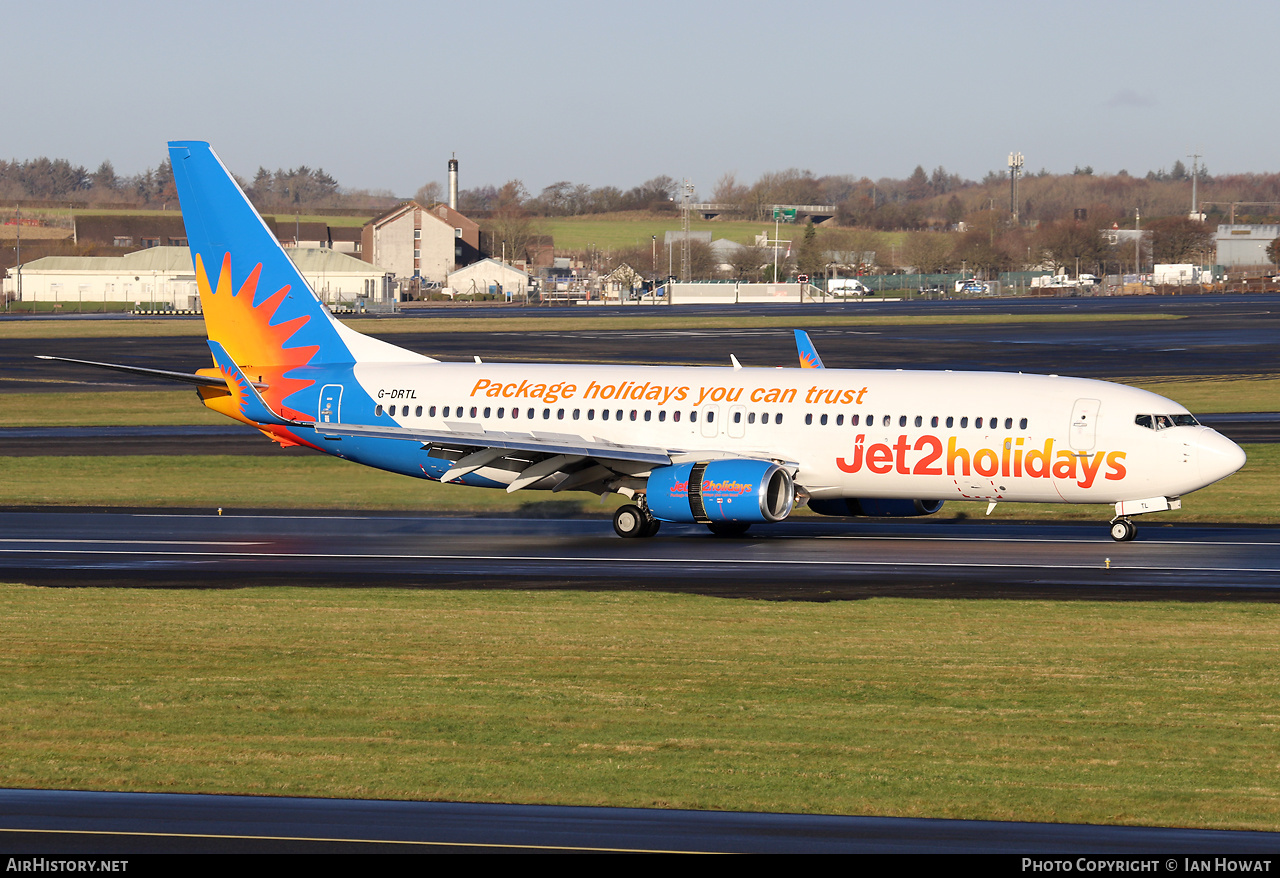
x=1159, y=714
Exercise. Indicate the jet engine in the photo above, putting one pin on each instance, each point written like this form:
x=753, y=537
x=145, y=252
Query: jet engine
x=721, y=490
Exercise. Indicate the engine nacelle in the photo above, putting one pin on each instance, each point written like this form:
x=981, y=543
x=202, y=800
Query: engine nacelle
x=721, y=490
x=875, y=508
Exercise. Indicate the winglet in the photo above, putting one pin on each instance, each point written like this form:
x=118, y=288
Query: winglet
x=252, y=405
x=809, y=358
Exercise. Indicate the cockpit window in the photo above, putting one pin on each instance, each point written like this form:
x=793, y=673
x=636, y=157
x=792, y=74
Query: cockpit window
x=1164, y=422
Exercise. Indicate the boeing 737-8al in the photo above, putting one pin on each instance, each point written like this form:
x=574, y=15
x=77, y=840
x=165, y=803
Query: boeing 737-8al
x=727, y=447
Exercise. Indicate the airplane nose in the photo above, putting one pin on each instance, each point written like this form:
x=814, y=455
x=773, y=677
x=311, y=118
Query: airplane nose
x=1218, y=456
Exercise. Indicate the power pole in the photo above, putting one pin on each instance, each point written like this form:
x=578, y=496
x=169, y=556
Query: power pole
x=685, y=196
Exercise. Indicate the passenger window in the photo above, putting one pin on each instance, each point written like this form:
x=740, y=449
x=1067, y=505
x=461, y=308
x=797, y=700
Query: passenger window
x=502, y=412
x=487, y=411
x=693, y=416
x=1022, y=425
x=634, y=414
x=887, y=420
x=751, y=418
x=648, y=415
x=777, y=419
x=902, y=420
x=662, y=416
x=473, y=411
x=377, y=411
x=675, y=416
x=823, y=420
x=951, y=422
x=559, y=414
x=443, y=414
x=808, y=419
x=577, y=413
x=1008, y=423
x=737, y=417
x=764, y=419
x=919, y=421
x=515, y=413
x=839, y=420
x=417, y=413
x=853, y=420
x=432, y=411
x=964, y=422
x=591, y=414
x=546, y=414
x=604, y=414
x=977, y=422
x=711, y=416
x=529, y=413
x=617, y=416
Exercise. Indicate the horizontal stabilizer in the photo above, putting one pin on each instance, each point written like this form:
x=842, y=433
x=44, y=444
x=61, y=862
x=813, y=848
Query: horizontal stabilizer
x=185, y=377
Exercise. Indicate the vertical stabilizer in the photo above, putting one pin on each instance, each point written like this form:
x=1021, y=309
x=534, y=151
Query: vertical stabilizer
x=256, y=303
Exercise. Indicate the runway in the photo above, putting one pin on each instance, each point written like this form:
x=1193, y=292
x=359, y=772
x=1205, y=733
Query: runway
x=78, y=823
x=807, y=560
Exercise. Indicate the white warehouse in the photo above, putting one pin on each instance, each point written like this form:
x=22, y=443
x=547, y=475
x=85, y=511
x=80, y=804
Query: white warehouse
x=163, y=277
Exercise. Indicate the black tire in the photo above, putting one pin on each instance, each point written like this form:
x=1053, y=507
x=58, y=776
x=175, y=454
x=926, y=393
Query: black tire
x=1123, y=531
x=651, y=528
x=629, y=521
x=728, y=528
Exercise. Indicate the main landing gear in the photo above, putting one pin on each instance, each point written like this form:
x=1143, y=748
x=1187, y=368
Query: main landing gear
x=1123, y=530
x=632, y=522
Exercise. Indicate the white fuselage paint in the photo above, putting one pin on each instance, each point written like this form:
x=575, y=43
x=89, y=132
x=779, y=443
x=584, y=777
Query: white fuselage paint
x=1080, y=443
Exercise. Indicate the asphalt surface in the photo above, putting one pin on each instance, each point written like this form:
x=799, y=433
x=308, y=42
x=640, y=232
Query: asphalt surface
x=808, y=560
x=112, y=824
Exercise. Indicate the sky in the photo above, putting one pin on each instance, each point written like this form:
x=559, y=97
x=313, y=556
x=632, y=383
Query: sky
x=381, y=94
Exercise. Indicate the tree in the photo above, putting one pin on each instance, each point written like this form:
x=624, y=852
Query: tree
x=1067, y=242
x=1177, y=239
x=748, y=263
x=428, y=194
x=928, y=252
x=1273, y=251
x=508, y=231
x=809, y=258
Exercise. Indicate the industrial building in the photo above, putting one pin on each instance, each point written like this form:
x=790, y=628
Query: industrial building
x=160, y=278
x=1245, y=245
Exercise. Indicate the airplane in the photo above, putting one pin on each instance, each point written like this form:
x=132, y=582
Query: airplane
x=725, y=447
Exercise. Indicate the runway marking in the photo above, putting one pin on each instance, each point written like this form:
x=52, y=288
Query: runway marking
x=470, y=844
x=788, y=562
x=1029, y=540
x=139, y=542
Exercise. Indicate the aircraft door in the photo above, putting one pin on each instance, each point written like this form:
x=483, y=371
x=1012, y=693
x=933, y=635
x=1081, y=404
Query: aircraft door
x=710, y=422
x=331, y=404
x=737, y=422
x=1084, y=424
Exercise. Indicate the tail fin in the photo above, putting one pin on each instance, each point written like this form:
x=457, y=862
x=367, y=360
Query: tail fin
x=256, y=303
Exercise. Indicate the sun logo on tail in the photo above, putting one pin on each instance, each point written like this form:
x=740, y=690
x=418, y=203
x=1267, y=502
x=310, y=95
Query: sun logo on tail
x=258, y=345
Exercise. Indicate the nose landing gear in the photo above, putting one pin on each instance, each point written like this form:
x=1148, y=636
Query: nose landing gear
x=1123, y=530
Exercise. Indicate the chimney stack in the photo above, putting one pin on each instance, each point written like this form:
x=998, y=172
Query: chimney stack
x=453, y=182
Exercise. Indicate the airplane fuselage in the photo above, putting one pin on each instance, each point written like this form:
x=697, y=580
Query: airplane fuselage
x=845, y=433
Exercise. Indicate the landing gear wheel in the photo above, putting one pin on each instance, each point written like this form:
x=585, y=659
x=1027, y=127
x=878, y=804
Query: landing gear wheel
x=630, y=522
x=728, y=528
x=1123, y=530
x=651, y=528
